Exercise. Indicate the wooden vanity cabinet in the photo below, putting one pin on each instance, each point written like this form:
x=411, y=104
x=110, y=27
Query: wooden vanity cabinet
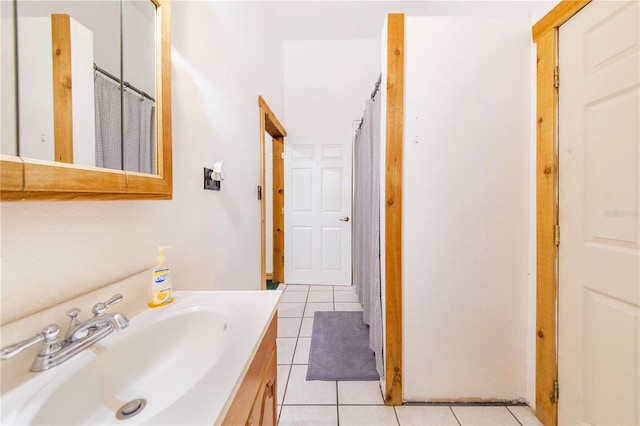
x=255, y=404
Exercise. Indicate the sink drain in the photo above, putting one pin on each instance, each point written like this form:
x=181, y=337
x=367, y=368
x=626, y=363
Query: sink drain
x=131, y=408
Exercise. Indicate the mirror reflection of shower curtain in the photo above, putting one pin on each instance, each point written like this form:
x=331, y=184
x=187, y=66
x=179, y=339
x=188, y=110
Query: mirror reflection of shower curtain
x=139, y=134
x=107, y=110
x=366, y=224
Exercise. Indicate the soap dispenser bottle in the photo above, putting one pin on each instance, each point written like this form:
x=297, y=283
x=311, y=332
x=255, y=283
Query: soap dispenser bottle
x=161, y=290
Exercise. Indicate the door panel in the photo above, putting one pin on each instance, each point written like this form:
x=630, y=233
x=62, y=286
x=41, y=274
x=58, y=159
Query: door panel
x=302, y=248
x=610, y=358
x=331, y=190
x=331, y=248
x=599, y=193
x=302, y=184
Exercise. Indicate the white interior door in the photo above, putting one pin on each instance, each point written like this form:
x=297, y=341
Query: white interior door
x=599, y=258
x=318, y=213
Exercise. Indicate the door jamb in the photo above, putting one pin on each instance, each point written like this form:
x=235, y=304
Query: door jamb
x=270, y=124
x=545, y=36
x=393, y=210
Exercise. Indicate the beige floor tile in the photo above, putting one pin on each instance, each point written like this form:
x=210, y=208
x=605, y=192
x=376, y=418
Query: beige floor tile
x=345, y=296
x=294, y=297
x=307, y=327
x=302, y=351
x=308, y=415
x=283, y=378
x=412, y=415
x=320, y=288
x=525, y=415
x=320, y=296
x=289, y=327
x=479, y=416
x=312, y=308
x=365, y=392
x=363, y=415
x=348, y=306
x=290, y=310
x=286, y=346
x=297, y=287
x=302, y=392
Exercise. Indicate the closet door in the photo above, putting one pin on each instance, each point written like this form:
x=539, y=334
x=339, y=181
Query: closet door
x=599, y=251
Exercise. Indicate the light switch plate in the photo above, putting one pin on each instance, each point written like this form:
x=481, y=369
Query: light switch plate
x=210, y=184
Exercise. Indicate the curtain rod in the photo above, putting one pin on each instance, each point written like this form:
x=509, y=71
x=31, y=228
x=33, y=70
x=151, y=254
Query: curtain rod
x=376, y=87
x=117, y=80
x=373, y=95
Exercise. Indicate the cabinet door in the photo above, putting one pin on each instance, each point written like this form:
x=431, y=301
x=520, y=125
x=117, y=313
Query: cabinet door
x=264, y=409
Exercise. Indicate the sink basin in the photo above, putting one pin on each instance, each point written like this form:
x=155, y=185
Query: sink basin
x=185, y=361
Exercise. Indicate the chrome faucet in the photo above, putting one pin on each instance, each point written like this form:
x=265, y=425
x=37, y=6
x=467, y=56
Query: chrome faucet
x=80, y=336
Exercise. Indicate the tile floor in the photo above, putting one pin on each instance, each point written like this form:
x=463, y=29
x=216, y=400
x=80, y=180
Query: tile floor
x=323, y=403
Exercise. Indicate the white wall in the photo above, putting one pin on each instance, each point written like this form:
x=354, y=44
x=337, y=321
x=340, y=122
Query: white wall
x=35, y=87
x=327, y=84
x=54, y=251
x=138, y=54
x=84, y=123
x=466, y=207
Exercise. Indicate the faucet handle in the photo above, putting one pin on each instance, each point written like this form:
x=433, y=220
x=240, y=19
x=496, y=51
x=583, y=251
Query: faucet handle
x=49, y=334
x=101, y=307
x=114, y=299
x=73, y=314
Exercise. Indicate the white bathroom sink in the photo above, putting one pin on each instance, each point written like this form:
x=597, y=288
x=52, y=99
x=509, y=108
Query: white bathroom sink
x=185, y=360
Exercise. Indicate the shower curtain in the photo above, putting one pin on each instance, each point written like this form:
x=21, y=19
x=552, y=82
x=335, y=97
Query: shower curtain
x=107, y=109
x=366, y=218
x=139, y=137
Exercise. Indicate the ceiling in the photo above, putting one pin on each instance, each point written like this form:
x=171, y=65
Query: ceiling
x=340, y=20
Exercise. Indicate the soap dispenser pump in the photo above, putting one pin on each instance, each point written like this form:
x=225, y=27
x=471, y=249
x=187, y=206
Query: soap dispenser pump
x=161, y=290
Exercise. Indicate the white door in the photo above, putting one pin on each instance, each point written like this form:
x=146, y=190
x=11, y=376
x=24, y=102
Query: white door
x=318, y=213
x=599, y=258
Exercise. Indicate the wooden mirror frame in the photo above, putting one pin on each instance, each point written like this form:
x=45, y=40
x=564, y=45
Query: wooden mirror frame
x=26, y=179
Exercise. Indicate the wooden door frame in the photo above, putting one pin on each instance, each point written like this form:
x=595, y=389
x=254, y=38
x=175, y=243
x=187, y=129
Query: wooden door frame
x=545, y=36
x=394, y=87
x=270, y=124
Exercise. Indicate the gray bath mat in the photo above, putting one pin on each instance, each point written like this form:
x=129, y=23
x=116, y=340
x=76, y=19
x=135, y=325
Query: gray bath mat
x=340, y=348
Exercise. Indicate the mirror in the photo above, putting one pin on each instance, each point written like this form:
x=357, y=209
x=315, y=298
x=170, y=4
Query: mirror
x=62, y=141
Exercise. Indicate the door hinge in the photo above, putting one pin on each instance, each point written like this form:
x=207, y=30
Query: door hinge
x=556, y=392
x=282, y=259
x=259, y=192
x=556, y=235
x=282, y=155
x=556, y=77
